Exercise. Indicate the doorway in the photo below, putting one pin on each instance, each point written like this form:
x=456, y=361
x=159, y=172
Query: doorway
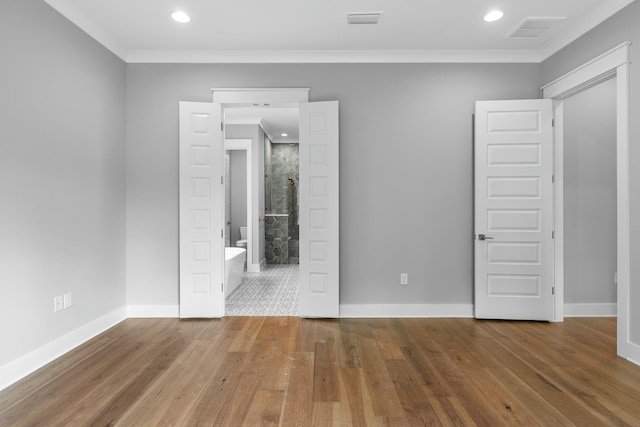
x=270, y=284
x=201, y=159
x=613, y=63
x=589, y=185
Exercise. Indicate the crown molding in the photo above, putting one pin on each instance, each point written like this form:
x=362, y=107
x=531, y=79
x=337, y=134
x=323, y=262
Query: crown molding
x=592, y=19
x=89, y=26
x=332, y=56
x=597, y=16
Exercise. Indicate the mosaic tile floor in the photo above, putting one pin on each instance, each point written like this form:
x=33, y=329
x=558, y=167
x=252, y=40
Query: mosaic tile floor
x=272, y=292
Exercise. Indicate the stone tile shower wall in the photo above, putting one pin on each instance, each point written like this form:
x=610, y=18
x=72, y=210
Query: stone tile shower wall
x=282, y=189
x=277, y=239
x=284, y=165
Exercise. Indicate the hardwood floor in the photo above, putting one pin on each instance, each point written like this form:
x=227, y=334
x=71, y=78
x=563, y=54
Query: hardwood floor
x=362, y=372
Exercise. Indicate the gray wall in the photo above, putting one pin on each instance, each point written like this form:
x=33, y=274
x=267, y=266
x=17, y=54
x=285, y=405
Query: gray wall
x=621, y=27
x=62, y=177
x=405, y=169
x=238, y=193
x=256, y=135
x=590, y=195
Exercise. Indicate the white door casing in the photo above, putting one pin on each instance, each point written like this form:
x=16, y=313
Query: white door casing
x=514, y=210
x=201, y=163
x=319, y=210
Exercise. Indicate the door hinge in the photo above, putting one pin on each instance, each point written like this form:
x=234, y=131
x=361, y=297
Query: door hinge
x=222, y=180
x=221, y=126
x=553, y=179
x=553, y=234
x=553, y=290
x=553, y=122
x=221, y=287
x=222, y=233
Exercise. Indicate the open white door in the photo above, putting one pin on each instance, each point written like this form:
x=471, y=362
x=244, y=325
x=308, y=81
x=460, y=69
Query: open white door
x=514, y=210
x=201, y=210
x=319, y=216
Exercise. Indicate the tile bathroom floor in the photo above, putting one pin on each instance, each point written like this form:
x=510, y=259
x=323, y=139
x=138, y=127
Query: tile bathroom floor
x=272, y=292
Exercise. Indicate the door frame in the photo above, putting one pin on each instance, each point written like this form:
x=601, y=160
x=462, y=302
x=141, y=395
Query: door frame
x=241, y=144
x=248, y=97
x=611, y=64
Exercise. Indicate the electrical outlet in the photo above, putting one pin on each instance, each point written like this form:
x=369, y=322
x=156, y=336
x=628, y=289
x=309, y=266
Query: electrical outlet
x=404, y=278
x=67, y=300
x=57, y=303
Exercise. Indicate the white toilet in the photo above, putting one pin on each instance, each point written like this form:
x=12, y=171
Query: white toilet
x=242, y=243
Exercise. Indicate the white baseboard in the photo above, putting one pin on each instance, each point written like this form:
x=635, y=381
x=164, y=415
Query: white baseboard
x=151, y=311
x=257, y=268
x=406, y=310
x=591, y=310
x=632, y=353
x=30, y=362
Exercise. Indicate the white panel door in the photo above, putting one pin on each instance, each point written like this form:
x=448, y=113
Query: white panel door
x=514, y=210
x=201, y=210
x=319, y=216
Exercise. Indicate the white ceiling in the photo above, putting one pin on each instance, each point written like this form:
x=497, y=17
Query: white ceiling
x=274, y=120
x=316, y=30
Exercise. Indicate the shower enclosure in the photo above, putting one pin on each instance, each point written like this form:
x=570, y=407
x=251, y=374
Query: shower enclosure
x=281, y=203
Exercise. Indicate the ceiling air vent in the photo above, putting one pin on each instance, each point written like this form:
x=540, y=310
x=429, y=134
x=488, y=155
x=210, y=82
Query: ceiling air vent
x=534, y=28
x=370, y=18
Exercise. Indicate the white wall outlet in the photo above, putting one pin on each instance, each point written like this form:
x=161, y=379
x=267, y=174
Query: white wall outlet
x=67, y=300
x=404, y=278
x=57, y=303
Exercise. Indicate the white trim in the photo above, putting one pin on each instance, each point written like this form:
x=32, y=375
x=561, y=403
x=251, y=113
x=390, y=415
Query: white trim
x=153, y=311
x=89, y=26
x=625, y=347
x=558, y=212
x=30, y=362
x=245, y=144
x=257, y=268
x=406, y=310
x=633, y=353
x=590, y=310
x=602, y=12
x=331, y=56
x=280, y=97
x=588, y=74
x=614, y=62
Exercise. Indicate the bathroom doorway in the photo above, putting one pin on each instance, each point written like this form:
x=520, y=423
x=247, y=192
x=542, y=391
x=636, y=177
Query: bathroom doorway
x=270, y=283
x=202, y=249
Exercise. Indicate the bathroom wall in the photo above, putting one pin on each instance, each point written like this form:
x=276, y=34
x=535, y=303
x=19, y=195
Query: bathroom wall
x=256, y=135
x=238, y=193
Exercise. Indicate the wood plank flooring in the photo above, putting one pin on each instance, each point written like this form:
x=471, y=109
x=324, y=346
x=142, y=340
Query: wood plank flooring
x=285, y=371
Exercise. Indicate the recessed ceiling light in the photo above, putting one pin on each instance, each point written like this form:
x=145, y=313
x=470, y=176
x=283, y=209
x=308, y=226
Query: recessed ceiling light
x=180, y=16
x=493, y=16
x=284, y=134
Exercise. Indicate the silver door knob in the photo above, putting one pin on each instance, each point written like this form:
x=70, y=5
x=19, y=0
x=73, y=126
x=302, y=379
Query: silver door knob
x=484, y=237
